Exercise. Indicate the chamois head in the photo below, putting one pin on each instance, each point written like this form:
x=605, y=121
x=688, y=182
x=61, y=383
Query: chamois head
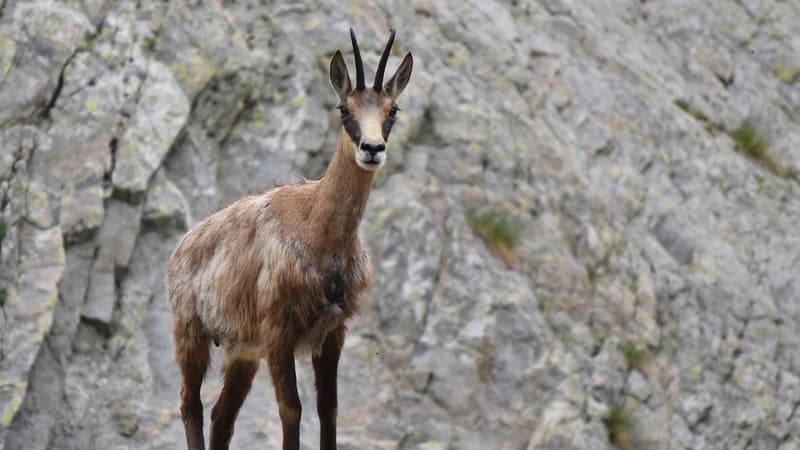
x=368, y=114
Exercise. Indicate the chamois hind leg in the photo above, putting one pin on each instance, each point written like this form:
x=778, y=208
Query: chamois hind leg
x=325, y=368
x=281, y=368
x=192, y=355
x=238, y=377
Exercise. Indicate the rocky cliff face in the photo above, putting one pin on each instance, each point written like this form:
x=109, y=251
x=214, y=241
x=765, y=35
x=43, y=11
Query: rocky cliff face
x=586, y=236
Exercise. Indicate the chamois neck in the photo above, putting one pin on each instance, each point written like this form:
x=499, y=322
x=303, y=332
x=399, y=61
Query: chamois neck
x=343, y=193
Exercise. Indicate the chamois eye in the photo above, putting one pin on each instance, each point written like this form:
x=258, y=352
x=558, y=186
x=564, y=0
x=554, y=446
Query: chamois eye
x=343, y=110
x=393, y=111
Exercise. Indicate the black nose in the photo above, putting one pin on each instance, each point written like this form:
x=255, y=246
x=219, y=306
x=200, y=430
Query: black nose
x=372, y=148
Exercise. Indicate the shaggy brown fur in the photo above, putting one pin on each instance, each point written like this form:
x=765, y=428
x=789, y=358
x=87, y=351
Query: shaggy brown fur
x=278, y=273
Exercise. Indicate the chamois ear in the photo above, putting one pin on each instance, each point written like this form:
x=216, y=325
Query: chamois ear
x=399, y=80
x=340, y=79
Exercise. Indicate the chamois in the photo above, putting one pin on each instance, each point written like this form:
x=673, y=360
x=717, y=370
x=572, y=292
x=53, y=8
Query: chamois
x=280, y=272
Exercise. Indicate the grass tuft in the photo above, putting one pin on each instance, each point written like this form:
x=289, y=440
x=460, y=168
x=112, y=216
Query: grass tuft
x=636, y=356
x=500, y=232
x=786, y=74
x=591, y=276
x=699, y=116
x=749, y=141
x=619, y=426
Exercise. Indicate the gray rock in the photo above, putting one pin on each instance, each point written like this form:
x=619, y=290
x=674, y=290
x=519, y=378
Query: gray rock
x=696, y=407
x=654, y=265
x=406, y=228
x=562, y=429
x=160, y=115
x=165, y=205
x=117, y=235
x=101, y=299
x=28, y=311
x=638, y=386
x=38, y=39
x=114, y=242
x=44, y=405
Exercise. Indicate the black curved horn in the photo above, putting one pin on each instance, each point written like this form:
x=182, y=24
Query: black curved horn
x=359, y=63
x=378, y=85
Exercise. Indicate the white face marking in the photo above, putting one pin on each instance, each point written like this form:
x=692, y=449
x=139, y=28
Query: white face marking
x=366, y=161
x=370, y=123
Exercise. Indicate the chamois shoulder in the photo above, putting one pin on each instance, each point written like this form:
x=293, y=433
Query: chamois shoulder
x=234, y=226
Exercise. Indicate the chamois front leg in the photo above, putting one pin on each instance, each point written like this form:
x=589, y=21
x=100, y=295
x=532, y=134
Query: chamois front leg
x=325, y=368
x=238, y=378
x=192, y=356
x=281, y=367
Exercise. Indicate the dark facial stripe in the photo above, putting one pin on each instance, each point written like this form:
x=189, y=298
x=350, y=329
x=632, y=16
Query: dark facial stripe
x=386, y=127
x=351, y=127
